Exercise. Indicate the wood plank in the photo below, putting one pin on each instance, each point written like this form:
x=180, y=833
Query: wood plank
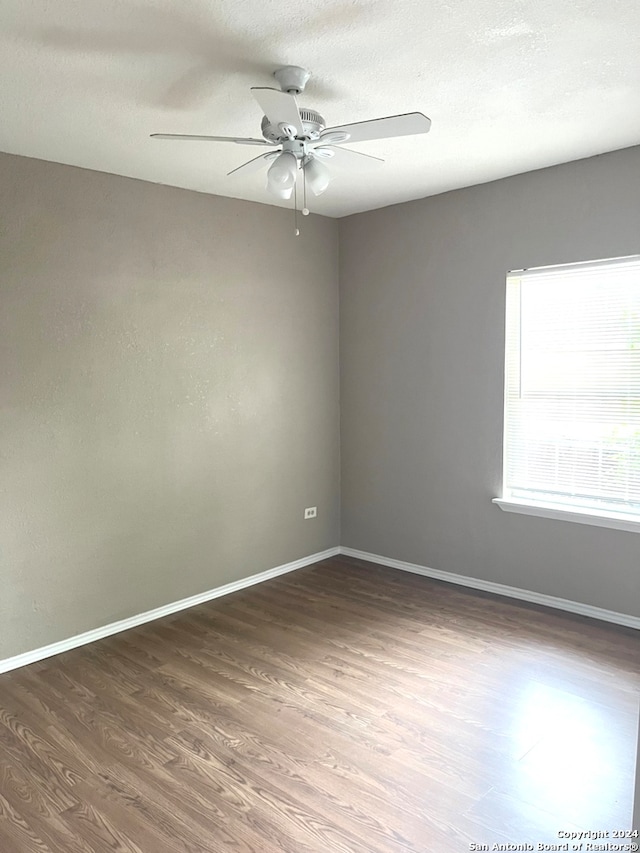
x=344, y=707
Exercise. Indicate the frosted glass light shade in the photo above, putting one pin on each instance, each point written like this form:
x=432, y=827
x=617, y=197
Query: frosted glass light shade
x=317, y=176
x=281, y=176
x=285, y=195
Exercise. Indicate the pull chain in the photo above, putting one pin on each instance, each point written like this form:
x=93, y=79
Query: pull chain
x=305, y=209
x=296, y=230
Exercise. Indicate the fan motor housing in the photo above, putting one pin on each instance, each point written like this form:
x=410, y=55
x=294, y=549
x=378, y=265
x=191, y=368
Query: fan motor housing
x=312, y=123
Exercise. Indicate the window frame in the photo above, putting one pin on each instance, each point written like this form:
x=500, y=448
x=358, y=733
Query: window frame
x=599, y=517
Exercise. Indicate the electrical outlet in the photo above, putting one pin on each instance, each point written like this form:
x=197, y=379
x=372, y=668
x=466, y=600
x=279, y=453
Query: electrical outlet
x=311, y=512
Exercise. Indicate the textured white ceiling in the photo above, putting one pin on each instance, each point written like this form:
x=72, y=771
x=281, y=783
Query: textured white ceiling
x=510, y=85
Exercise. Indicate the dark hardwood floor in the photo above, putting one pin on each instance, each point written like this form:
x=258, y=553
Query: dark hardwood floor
x=344, y=707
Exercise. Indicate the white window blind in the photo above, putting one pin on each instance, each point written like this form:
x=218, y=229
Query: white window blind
x=572, y=386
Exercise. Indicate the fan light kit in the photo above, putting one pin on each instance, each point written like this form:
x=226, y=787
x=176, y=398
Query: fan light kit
x=299, y=140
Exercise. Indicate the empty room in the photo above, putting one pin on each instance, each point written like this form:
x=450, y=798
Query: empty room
x=320, y=412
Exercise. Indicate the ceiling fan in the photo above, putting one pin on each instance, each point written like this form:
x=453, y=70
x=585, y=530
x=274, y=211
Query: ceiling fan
x=299, y=140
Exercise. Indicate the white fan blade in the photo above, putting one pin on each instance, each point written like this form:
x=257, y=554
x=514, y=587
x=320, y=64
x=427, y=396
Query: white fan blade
x=381, y=128
x=355, y=161
x=279, y=107
x=237, y=140
x=255, y=164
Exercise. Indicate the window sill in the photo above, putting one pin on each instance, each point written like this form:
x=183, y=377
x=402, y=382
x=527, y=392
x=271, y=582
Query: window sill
x=598, y=518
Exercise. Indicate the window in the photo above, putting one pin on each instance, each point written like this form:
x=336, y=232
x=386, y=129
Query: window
x=572, y=392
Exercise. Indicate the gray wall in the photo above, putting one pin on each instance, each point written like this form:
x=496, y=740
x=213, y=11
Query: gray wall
x=168, y=397
x=169, y=388
x=422, y=349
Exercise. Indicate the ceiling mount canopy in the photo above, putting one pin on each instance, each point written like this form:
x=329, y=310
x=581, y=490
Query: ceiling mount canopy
x=292, y=78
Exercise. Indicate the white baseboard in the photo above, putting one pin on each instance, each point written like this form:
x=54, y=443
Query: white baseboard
x=500, y=589
x=183, y=604
x=158, y=612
